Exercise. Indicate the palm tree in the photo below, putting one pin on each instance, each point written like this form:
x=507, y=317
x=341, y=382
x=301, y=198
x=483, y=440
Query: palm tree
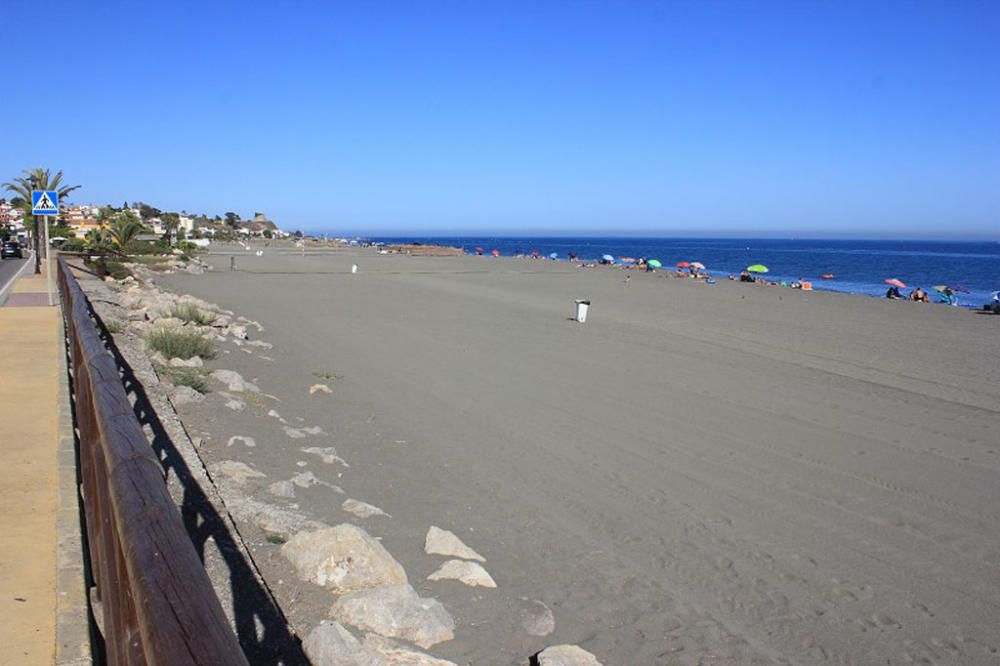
x=38, y=179
x=124, y=228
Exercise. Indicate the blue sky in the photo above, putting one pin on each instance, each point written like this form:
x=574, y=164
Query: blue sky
x=659, y=118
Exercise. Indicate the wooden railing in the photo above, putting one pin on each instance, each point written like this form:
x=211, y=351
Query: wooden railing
x=156, y=599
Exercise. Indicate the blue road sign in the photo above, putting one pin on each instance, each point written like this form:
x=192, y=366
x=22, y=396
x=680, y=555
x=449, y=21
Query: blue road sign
x=44, y=202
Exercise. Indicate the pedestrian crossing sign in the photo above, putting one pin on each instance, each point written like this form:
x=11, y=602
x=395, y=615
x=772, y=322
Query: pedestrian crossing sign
x=44, y=202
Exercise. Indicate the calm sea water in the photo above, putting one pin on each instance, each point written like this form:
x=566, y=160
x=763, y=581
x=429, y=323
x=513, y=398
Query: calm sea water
x=860, y=266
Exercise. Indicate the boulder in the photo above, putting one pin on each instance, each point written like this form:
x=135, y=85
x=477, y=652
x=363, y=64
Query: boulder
x=536, y=618
x=327, y=454
x=342, y=559
x=443, y=542
x=193, y=362
x=396, y=611
x=236, y=471
x=329, y=644
x=566, y=655
x=183, y=395
x=234, y=381
x=362, y=509
x=469, y=573
x=397, y=654
x=248, y=442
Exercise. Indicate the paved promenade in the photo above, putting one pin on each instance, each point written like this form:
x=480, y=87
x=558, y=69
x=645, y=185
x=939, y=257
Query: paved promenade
x=29, y=417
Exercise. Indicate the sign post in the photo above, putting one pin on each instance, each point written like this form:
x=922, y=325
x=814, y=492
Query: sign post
x=45, y=203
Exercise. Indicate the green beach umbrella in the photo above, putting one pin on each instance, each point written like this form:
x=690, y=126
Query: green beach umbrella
x=655, y=263
x=757, y=268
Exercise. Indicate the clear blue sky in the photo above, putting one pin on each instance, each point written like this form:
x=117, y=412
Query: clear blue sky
x=661, y=118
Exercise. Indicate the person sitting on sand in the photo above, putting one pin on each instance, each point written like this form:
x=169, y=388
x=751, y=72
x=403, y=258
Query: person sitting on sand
x=918, y=296
x=746, y=277
x=893, y=293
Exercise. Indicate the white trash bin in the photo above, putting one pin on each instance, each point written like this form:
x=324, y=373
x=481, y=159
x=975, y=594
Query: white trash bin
x=581, y=310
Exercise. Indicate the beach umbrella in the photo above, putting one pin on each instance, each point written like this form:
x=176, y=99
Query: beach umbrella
x=553, y=255
x=479, y=249
x=697, y=264
x=683, y=264
x=757, y=268
x=607, y=257
x=654, y=263
x=495, y=253
x=896, y=282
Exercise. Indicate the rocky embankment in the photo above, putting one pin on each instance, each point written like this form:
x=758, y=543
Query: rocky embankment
x=339, y=586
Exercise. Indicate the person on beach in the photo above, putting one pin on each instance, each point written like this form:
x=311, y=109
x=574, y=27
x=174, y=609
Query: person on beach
x=918, y=295
x=893, y=294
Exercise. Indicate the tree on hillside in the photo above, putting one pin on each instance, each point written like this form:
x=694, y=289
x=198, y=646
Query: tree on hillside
x=233, y=220
x=170, y=222
x=43, y=180
x=147, y=212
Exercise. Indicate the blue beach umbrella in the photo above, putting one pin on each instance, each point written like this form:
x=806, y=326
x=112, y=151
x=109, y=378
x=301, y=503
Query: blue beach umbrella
x=553, y=255
x=607, y=257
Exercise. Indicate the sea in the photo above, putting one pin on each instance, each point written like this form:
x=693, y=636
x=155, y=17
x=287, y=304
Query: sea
x=858, y=266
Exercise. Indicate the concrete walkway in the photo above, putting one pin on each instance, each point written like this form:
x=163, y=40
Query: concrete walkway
x=29, y=492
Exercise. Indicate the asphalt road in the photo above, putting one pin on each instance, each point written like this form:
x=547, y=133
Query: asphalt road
x=8, y=268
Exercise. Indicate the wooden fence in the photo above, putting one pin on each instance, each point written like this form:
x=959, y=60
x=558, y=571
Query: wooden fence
x=157, y=602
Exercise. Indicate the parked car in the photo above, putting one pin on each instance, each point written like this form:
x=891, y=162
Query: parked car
x=10, y=250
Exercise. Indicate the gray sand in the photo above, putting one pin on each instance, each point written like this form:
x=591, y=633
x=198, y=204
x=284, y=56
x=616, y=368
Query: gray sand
x=698, y=474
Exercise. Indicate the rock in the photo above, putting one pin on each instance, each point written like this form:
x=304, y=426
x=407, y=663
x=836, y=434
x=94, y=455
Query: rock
x=327, y=454
x=329, y=644
x=536, y=618
x=294, y=433
x=249, y=442
x=260, y=343
x=315, y=388
x=282, y=489
x=443, y=542
x=566, y=655
x=232, y=402
x=183, y=395
x=156, y=358
x=193, y=362
x=273, y=413
x=234, y=381
x=238, y=332
x=307, y=479
x=270, y=518
x=362, y=509
x=342, y=559
x=397, y=654
x=398, y=612
x=236, y=471
x=313, y=430
x=469, y=573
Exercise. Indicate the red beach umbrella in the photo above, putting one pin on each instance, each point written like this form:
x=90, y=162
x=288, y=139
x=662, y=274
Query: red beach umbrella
x=495, y=253
x=479, y=249
x=683, y=264
x=896, y=282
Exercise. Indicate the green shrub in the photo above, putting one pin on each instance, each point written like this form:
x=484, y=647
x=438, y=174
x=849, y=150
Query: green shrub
x=114, y=326
x=191, y=314
x=189, y=377
x=117, y=270
x=72, y=245
x=179, y=344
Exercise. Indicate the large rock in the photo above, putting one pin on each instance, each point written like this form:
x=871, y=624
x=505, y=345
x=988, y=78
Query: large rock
x=193, y=362
x=362, y=509
x=183, y=395
x=236, y=471
x=536, y=618
x=329, y=644
x=398, y=612
x=397, y=654
x=234, y=381
x=469, y=573
x=343, y=559
x=566, y=655
x=443, y=542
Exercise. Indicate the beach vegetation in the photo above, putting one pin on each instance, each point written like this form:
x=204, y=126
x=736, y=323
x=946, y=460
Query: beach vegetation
x=180, y=344
x=191, y=314
x=38, y=179
x=124, y=228
x=114, y=326
x=275, y=539
x=190, y=377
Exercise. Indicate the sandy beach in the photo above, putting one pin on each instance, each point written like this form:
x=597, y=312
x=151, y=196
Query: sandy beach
x=726, y=474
